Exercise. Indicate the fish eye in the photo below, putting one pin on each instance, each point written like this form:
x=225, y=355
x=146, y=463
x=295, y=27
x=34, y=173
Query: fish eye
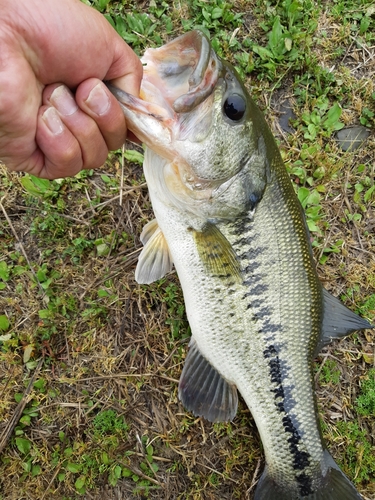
x=234, y=107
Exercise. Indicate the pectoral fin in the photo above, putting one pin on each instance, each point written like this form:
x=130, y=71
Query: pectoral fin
x=155, y=260
x=338, y=320
x=216, y=252
x=203, y=391
x=149, y=229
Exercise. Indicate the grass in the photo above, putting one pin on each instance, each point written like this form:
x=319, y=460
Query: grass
x=90, y=361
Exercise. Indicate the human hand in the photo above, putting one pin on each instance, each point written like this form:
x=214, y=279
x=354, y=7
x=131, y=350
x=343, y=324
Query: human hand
x=56, y=115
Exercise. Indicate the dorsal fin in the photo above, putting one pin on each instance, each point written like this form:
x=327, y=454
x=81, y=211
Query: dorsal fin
x=155, y=260
x=338, y=320
x=203, y=391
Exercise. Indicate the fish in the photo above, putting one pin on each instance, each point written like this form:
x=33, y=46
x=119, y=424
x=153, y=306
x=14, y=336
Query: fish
x=227, y=218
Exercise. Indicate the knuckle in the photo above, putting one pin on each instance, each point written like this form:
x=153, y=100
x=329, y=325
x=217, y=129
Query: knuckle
x=103, y=157
x=90, y=132
x=70, y=155
x=96, y=158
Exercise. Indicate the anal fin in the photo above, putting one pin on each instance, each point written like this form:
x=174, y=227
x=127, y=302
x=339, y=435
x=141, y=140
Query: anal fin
x=203, y=391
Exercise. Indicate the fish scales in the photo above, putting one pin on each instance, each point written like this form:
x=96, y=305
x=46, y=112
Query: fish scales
x=228, y=218
x=282, y=298
x=264, y=323
x=274, y=266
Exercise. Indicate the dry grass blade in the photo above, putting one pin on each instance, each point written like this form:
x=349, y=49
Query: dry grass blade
x=19, y=243
x=9, y=428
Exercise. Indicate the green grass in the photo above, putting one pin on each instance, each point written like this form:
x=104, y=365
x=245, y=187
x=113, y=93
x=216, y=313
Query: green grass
x=329, y=373
x=365, y=403
x=101, y=412
x=359, y=460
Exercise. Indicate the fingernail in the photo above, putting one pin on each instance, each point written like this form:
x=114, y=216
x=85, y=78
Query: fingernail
x=53, y=121
x=63, y=101
x=98, y=100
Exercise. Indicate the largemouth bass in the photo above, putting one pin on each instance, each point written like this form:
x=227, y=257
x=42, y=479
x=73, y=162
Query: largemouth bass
x=228, y=219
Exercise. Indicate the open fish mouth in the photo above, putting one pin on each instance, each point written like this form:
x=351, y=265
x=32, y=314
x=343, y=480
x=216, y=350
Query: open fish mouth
x=180, y=113
x=185, y=71
x=177, y=77
x=175, y=104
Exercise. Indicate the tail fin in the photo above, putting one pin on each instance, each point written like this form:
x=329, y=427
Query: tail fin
x=335, y=486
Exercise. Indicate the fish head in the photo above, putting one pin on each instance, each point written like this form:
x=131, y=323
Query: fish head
x=195, y=112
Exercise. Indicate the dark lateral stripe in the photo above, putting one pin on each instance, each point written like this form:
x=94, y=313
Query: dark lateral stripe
x=301, y=459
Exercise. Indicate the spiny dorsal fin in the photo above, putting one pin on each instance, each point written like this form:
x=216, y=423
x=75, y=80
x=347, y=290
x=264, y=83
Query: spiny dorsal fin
x=216, y=252
x=203, y=391
x=338, y=320
x=155, y=259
